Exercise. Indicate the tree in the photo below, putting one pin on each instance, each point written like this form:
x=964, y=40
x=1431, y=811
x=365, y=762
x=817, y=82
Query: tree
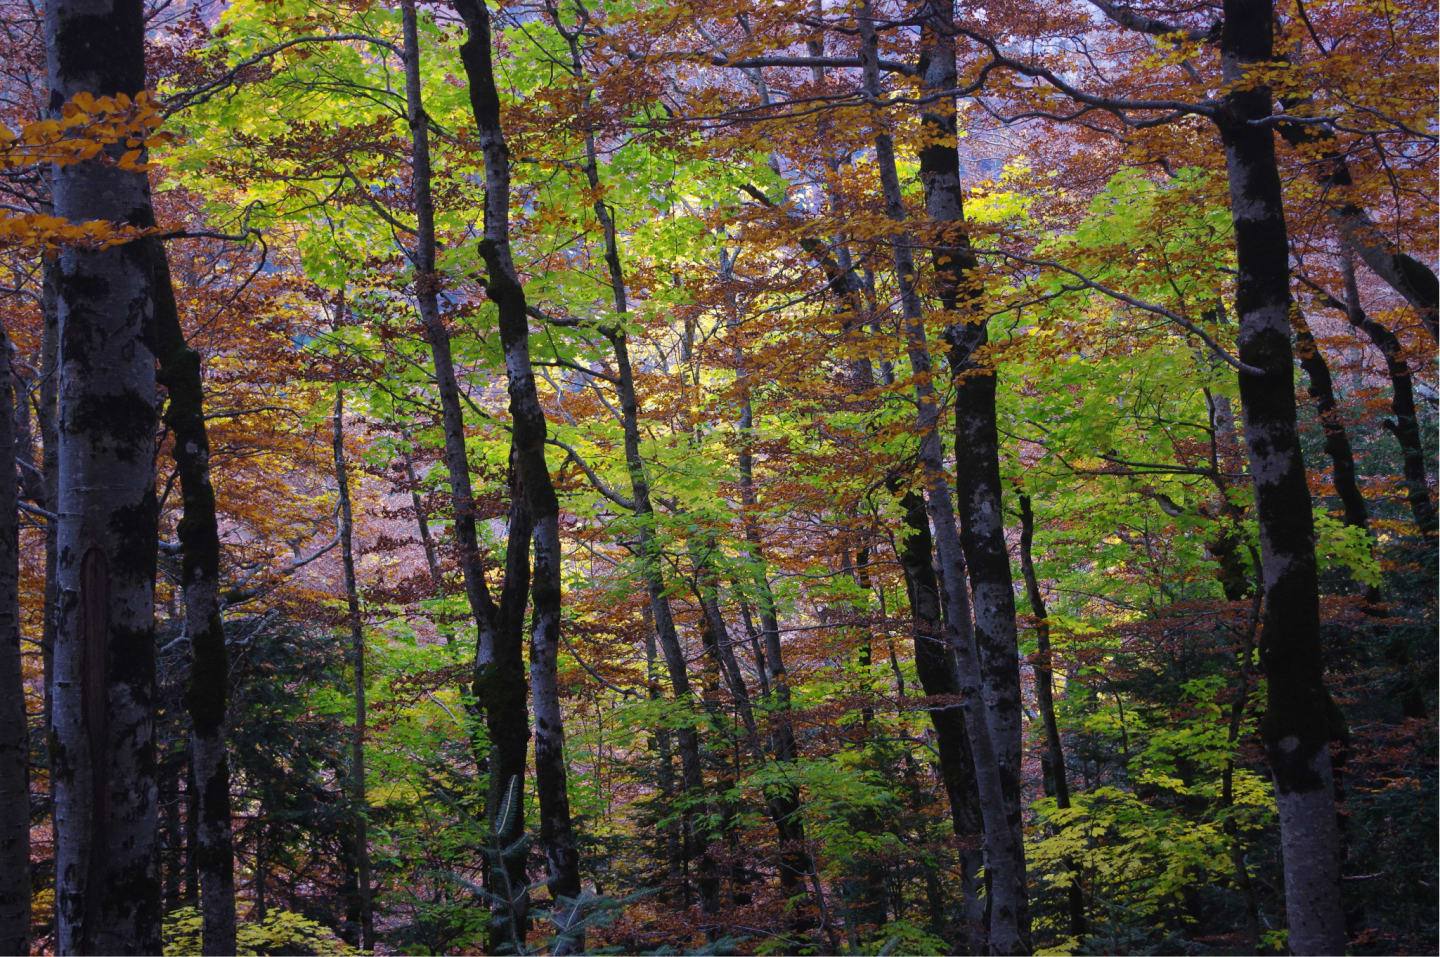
x=504, y=288
x=206, y=698
x=14, y=724
x=1300, y=719
x=739, y=265
x=103, y=761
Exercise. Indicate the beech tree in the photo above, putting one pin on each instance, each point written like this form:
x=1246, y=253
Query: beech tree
x=504, y=288
x=883, y=420
x=103, y=761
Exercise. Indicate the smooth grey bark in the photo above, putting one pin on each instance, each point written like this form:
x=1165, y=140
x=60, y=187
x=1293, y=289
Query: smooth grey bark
x=1005, y=855
x=503, y=285
x=14, y=727
x=934, y=660
x=427, y=288
x=977, y=444
x=498, y=676
x=208, y=690
x=1408, y=276
x=358, y=796
x=103, y=757
x=1300, y=719
x=1411, y=278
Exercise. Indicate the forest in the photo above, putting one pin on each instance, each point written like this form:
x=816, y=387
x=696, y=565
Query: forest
x=718, y=477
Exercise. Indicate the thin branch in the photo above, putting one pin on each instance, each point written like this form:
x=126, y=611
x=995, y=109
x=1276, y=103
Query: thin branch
x=206, y=91
x=1087, y=283
x=1155, y=27
x=37, y=510
x=246, y=591
x=595, y=480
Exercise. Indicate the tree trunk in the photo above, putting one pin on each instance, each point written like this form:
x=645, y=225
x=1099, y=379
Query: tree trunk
x=1408, y=276
x=1054, y=759
x=1300, y=718
x=498, y=677
x=422, y=525
x=977, y=444
x=1244, y=663
x=1406, y=425
x=1337, y=439
x=49, y=422
x=191, y=896
x=674, y=834
x=108, y=887
x=528, y=431
x=14, y=726
x=173, y=843
x=361, y=904
x=209, y=687
x=500, y=688
x=1236, y=581
x=935, y=667
x=427, y=292
x=784, y=803
x=1005, y=855
x=647, y=550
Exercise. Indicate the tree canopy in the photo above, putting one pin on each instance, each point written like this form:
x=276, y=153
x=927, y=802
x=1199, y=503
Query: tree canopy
x=811, y=476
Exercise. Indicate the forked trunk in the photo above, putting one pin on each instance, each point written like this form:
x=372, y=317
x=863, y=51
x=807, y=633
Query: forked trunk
x=935, y=667
x=527, y=418
x=1009, y=931
x=498, y=677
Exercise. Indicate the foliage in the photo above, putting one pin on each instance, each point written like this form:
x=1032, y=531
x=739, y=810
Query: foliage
x=739, y=212
x=280, y=932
